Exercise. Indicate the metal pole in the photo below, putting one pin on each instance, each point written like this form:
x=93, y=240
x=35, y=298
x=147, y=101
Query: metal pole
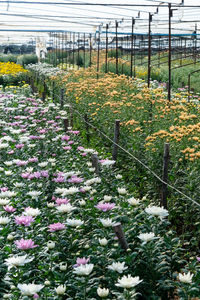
x=78, y=50
x=106, y=68
x=149, y=50
x=169, y=55
x=98, y=50
x=132, y=32
x=165, y=175
x=116, y=27
x=84, y=50
x=90, y=49
x=73, y=48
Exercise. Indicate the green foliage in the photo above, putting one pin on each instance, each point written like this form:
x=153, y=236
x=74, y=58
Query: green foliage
x=27, y=59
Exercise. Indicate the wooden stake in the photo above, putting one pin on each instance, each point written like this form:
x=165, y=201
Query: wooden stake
x=116, y=139
x=166, y=158
x=87, y=128
x=95, y=163
x=61, y=98
x=120, y=234
x=66, y=124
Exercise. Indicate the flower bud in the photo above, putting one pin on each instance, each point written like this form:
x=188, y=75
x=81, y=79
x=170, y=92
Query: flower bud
x=63, y=266
x=103, y=242
x=50, y=245
x=10, y=237
x=102, y=292
x=60, y=290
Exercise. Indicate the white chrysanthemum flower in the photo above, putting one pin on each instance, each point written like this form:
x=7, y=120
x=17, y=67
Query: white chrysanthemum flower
x=65, y=191
x=4, y=145
x=7, y=138
x=8, y=173
x=29, y=170
x=118, y=267
x=157, y=211
x=147, y=237
x=7, y=194
x=103, y=242
x=83, y=270
x=50, y=204
x=103, y=293
x=33, y=212
x=128, y=282
x=29, y=289
x=133, y=201
x=89, y=150
x=93, y=180
x=74, y=222
x=65, y=208
x=15, y=131
x=4, y=220
x=108, y=162
x=122, y=191
x=107, y=222
x=17, y=261
x=61, y=289
x=8, y=163
x=51, y=245
x=118, y=176
x=87, y=188
x=4, y=202
x=185, y=278
x=43, y=164
x=82, y=202
x=107, y=198
x=52, y=160
x=34, y=194
x=89, y=164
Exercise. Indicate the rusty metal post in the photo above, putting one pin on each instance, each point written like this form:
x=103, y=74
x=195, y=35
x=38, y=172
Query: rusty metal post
x=120, y=235
x=66, y=52
x=98, y=54
x=61, y=98
x=53, y=91
x=106, y=66
x=84, y=50
x=116, y=139
x=149, y=50
x=78, y=50
x=169, y=54
x=66, y=124
x=95, y=163
x=132, y=32
x=166, y=158
x=73, y=48
x=116, y=44
x=90, y=49
x=87, y=128
x=189, y=81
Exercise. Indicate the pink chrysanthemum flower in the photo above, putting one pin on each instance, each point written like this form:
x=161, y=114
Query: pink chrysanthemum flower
x=81, y=261
x=25, y=244
x=75, y=179
x=24, y=220
x=60, y=201
x=56, y=227
x=9, y=209
x=105, y=206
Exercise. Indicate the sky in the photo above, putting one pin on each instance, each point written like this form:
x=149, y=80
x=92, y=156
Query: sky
x=46, y=15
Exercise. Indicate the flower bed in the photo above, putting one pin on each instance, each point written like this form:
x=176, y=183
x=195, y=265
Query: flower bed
x=11, y=73
x=57, y=219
